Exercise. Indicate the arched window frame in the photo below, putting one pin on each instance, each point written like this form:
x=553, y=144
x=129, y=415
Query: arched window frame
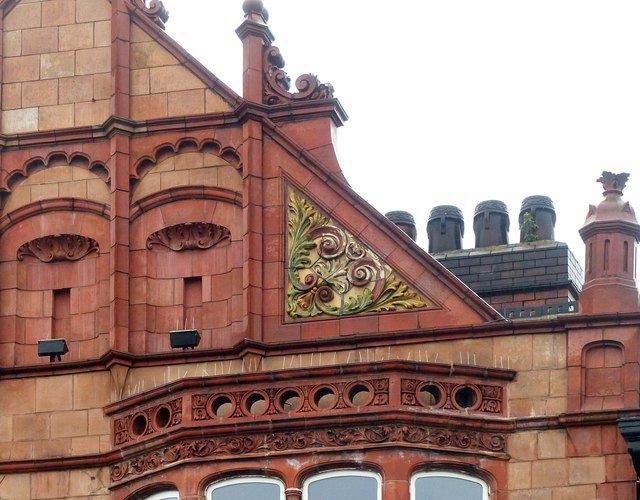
x=243, y=479
x=454, y=475
x=342, y=473
x=164, y=495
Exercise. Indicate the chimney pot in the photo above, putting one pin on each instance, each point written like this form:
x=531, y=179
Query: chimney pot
x=491, y=224
x=405, y=221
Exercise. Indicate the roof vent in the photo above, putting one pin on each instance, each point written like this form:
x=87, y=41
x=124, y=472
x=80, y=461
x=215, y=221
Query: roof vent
x=491, y=224
x=445, y=229
x=405, y=221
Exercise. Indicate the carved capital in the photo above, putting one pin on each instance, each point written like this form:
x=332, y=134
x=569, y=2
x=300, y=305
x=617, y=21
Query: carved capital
x=58, y=247
x=189, y=236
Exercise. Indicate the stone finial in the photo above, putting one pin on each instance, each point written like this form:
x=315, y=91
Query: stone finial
x=613, y=182
x=255, y=7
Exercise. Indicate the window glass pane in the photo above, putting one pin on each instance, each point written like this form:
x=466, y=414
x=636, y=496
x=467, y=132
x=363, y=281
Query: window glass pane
x=165, y=495
x=447, y=488
x=247, y=491
x=344, y=488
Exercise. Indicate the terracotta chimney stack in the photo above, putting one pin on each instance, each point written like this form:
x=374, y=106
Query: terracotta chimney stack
x=610, y=233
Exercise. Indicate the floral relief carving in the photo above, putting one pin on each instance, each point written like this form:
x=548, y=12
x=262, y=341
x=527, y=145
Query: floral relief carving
x=431, y=437
x=277, y=82
x=189, y=236
x=58, y=247
x=331, y=273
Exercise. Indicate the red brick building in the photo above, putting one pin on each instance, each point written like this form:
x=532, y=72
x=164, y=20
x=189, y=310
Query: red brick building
x=195, y=304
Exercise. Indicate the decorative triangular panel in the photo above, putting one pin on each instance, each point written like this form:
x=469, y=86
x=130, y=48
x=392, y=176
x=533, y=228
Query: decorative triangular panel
x=331, y=273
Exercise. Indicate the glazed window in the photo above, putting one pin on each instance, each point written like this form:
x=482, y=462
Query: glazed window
x=447, y=486
x=343, y=485
x=246, y=488
x=165, y=495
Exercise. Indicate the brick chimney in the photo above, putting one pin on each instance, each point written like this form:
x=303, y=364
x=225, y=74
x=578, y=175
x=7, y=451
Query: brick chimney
x=610, y=233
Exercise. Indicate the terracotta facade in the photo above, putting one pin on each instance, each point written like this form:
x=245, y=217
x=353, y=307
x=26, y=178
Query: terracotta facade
x=142, y=196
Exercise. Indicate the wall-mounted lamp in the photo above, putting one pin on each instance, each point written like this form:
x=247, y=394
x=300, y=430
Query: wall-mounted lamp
x=54, y=348
x=186, y=339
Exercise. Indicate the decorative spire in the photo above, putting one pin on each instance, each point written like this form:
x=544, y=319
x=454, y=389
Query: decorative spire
x=155, y=11
x=610, y=233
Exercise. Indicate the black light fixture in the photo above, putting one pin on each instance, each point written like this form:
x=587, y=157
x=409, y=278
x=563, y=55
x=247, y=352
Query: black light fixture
x=54, y=348
x=186, y=339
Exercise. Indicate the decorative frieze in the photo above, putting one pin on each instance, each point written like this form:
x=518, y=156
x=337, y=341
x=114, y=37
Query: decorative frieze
x=147, y=422
x=189, y=236
x=58, y=247
x=313, y=440
x=439, y=394
x=331, y=273
x=290, y=400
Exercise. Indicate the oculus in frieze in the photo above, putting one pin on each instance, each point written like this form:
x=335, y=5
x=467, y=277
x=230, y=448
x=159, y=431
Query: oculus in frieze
x=330, y=273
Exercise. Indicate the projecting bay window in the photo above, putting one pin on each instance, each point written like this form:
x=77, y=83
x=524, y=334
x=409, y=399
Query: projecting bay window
x=246, y=488
x=447, y=486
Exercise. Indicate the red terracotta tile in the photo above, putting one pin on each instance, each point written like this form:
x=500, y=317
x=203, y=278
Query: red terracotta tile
x=584, y=441
x=359, y=324
x=398, y=321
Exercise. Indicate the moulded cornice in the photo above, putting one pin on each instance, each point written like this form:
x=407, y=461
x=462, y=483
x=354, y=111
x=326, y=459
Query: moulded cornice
x=411, y=368
x=52, y=205
x=550, y=326
x=184, y=193
x=610, y=227
x=259, y=30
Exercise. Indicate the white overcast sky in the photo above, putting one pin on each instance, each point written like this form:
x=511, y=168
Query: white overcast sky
x=458, y=101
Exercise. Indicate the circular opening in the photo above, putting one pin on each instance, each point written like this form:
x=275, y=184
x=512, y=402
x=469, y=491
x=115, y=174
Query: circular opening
x=222, y=406
x=256, y=403
x=162, y=417
x=324, y=398
x=429, y=395
x=466, y=397
x=290, y=400
x=139, y=424
x=359, y=395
